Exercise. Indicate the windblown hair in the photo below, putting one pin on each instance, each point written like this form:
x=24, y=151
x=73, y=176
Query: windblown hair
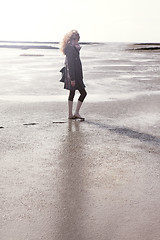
x=67, y=40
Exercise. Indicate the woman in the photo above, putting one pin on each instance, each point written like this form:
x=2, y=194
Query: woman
x=73, y=73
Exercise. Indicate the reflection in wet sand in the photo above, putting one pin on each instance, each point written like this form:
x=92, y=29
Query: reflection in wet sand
x=71, y=188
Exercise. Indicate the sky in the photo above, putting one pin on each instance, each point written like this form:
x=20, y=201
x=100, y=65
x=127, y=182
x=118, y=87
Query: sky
x=96, y=20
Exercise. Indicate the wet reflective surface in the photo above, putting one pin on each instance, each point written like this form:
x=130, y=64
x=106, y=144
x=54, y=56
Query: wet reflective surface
x=67, y=179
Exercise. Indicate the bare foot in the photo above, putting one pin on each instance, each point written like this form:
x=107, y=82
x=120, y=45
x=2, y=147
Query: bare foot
x=72, y=117
x=78, y=116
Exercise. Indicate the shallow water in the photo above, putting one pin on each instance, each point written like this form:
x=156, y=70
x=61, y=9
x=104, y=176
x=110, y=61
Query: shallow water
x=111, y=71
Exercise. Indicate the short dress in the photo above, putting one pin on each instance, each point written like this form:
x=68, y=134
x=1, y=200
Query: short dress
x=73, y=70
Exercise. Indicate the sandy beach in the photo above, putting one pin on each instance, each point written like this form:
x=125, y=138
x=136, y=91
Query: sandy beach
x=96, y=179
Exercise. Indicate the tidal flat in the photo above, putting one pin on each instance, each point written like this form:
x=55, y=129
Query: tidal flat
x=71, y=180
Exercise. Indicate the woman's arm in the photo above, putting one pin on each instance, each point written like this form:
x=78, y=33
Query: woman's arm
x=71, y=62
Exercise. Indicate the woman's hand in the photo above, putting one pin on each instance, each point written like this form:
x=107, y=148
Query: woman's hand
x=73, y=83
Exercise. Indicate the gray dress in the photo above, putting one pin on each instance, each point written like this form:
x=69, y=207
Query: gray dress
x=73, y=69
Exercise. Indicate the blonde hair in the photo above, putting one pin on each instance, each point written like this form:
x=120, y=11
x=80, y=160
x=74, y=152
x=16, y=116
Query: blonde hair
x=67, y=40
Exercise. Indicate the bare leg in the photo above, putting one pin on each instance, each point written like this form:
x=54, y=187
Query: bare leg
x=77, y=115
x=83, y=94
x=70, y=104
x=70, y=107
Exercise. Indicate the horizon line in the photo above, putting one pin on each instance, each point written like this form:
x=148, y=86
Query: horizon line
x=81, y=42
x=45, y=42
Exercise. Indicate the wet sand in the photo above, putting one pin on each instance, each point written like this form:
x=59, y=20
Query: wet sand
x=79, y=180
x=97, y=179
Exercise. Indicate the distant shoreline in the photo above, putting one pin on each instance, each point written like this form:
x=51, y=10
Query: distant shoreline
x=145, y=47
x=26, y=47
x=33, y=44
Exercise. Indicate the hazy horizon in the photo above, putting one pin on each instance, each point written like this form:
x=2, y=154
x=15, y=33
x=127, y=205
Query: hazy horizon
x=82, y=42
x=96, y=20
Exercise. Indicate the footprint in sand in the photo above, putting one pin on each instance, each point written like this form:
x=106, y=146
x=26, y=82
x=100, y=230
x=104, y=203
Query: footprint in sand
x=28, y=124
x=59, y=122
